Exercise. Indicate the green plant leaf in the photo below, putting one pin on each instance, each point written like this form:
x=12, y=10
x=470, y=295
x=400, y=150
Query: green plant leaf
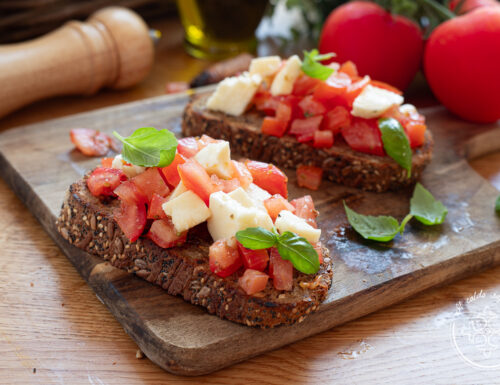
x=299, y=251
x=396, y=142
x=425, y=208
x=312, y=67
x=497, y=205
x=256, y=238
x=149, y=147
x=381, y=228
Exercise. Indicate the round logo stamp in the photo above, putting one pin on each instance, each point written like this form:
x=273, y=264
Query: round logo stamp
x=475, y=330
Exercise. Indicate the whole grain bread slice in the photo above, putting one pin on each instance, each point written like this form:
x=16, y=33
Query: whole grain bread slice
x=87, y=223
x=340, y=163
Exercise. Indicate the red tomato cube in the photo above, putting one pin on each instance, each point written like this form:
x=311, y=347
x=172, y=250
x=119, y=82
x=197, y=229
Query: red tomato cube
x=91, y=142
x=277, y=204
x=335, y=86
x=335, y=119
x=240, y=172
x=107, y=162
x=253, y=281
x=281, y=271
x=349, y=68
x=304, y=208
x=187, y=147
x=131, y=217
x=305, y=85
x=253, y=259
x=163, y=233
x=224, y=185
x=319, y=249
x=223, y=259
x=323, y=139
x=311, y=107
x=354, y=90
x=128, y=192
x=151, y=182
x=309, y=176
x=363, y=135
x=274, y=127
x=304, y=129
x=155, y=209
x=103, y=181
x=170, y=172
x=268, y=177
x=416, y=133
x=196, y=179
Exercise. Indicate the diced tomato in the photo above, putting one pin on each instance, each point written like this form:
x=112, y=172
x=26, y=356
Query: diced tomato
x=266, y=103
x=107, y=162
x=319, y=249
x=151, y=182
x=277, y=204
x=223, y=259
x=305, y=85
x=386, y=86
x=274, y=127
x=323, y=139
x=188, y=147
x=196, y=179
x=311, y=106
x=131, y=217
x=253, y=259
x=224, y=185
x=103, y=181
x=163, y=233
x=354, y=90
x=304, y=129
x=253, y=281
x=170, y=172
x=155, y=209
x=335, y=119
x=281, y=271
x=350, y=69
x=269, y=177
x=90, y=142
x=416, y=133
x=205, y=140
x=304, y=208
x=364, y=135
x=309, y=176
x=240, y=172
x=129, y=193
x=335, y=86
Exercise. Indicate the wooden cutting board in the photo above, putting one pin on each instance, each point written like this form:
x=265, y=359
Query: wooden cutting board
x=39, y=162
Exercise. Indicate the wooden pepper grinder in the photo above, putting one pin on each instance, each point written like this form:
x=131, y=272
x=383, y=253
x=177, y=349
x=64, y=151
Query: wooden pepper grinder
x=111, y=49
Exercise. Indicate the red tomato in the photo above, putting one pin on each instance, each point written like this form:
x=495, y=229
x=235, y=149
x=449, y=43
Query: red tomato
x=277, y=204
x=107, y=162
x=129, y=193
x=304, y=208
x=309, y=176
x=273, y=126
x=354, y=90
x=416, y=133
x=311, y=106
x=253, y=259
x=319, y=249
x=196, y=179
x=386, y=47
x=170, y=172
x=385, y=86
x=224, y=185
x=305, y=85
x=240, y=172
x=206, y=140
x=470, y=5
x=461, y=63
x=91, y=142
x=155, y=209
x=163, y=233
x=350, y=69
x=323, y=139
x=335, y=119
x=131, y=217
x=253, y=281
x=364, y=135
x=304, y=129
x=224, y=260
x=268, y=177
x=150, y=182
x=330, y=90
x=187, y=147
x=103, y=181
x=281, y=271
x=265, y=102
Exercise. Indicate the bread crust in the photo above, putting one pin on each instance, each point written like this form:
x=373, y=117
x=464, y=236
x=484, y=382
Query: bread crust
x=340, y=163
x=87, y=223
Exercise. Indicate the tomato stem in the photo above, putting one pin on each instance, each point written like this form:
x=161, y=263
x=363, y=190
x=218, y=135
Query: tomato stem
x=440, y=9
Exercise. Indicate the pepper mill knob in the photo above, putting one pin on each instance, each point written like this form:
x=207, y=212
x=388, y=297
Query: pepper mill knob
x=111, y=49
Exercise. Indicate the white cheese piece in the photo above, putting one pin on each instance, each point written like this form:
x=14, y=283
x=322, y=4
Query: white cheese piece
x=373, y=102
x=256, y=193
x=408, y=109
x=242, y=197
x=262, y=218
x=265, y=66
x=216, y=159
x=187, y=210
x=177, y=191
x=234, y=94
x=129, y=170
x=229, y=216
x=288, y=221
x=284, y=79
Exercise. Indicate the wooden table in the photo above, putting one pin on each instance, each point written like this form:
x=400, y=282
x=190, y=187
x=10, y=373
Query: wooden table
x=53, y=329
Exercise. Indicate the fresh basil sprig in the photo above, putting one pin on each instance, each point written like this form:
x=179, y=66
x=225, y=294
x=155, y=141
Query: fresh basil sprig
x=290, y=246
x=149, y=147
x=423, y=207
x=497, y=205
x=312, y=67
x=396, y=143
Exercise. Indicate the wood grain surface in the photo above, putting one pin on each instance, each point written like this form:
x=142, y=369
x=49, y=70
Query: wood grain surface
x=50, y=319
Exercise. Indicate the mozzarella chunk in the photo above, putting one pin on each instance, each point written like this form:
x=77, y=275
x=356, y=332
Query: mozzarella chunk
x=288, y=221
x=230, y=216
x=177, y=191
x=265, y=66
x=216, y=159
x=262, y=217
x=234, y=94
x=187, y=210
x=284, y=79
x=130, y=170
x=408, y=109
x=241, y=197
x=373, y=102
x=256, y=193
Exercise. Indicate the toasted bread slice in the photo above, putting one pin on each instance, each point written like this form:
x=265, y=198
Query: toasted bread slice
x=87, y=223
x=340, y=163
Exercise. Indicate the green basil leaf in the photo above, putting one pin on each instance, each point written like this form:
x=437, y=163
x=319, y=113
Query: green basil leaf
x=381, y=228
x=425, y=208
x=149, y=147
x=256, y=238
x=312, y=67
x=396, y=142
x=299, y=251
x=497, y=205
